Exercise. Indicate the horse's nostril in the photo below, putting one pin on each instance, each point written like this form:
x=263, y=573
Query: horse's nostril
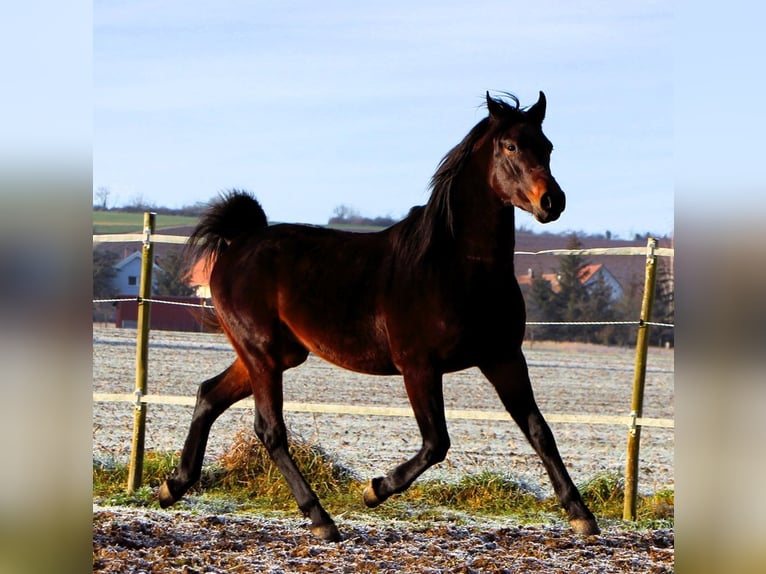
x=552, y=202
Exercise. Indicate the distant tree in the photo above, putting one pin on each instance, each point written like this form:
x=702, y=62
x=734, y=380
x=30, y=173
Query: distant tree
x=102, y=197
x=345, y=214
x=598, y=306
x=173, y=280
x=628, y=308
x=574, y=301
x=138, y=204
x=382, y=221
x=104, y=273
x=194, y=210
x=663, y=310
x=541, y=306
x=572, y=293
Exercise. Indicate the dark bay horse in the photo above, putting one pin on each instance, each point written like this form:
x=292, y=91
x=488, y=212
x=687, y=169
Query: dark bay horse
x=432, y=294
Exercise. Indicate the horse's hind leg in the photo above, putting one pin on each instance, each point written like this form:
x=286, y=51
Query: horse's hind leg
x=511, y=380
x=213, y=398
x=271, y=430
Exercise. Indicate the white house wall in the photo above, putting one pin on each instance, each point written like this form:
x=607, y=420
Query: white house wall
x=131, y=268
x=609, y=280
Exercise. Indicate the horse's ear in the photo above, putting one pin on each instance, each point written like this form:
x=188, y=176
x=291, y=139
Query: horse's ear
x=537, y=112
x=493, y=107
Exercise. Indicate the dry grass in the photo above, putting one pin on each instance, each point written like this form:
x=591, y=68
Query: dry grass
x=246, y=475
x=247, y=470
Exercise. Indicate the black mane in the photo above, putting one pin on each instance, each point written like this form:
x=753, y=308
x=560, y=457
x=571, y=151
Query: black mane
x=434, y=222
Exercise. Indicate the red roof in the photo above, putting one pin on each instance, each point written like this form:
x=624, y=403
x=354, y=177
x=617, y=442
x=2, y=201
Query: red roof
x=585, y=274
x=588, y=271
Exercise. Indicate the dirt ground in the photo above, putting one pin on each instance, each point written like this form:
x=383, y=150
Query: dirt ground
x=139, y=540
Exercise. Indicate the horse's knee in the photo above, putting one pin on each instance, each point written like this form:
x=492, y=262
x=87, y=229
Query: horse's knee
x=206, y=407
x=218, y=393
x=207, y=387
x=435, y=452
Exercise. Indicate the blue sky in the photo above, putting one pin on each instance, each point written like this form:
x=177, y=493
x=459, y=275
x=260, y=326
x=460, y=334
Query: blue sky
x=313, y=105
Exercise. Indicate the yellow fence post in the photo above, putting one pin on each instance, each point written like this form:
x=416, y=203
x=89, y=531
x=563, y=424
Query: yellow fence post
x=639, y=378
x=136, y=467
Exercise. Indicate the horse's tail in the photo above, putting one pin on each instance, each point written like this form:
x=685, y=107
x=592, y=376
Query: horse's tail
x=235, y=214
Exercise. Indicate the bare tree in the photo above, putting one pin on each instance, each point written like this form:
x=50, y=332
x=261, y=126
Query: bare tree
x=102, y=195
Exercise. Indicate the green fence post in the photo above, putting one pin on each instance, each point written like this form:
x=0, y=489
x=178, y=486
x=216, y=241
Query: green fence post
x=142, y=355
x=639, y=378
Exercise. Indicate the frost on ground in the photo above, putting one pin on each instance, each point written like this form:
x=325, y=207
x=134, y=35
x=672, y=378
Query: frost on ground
x=567, y=378
x=139, y=540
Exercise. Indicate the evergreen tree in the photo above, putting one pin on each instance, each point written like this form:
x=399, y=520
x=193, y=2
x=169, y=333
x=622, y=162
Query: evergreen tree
x=574, y=302
x=541, y=307
x=569, y=301
x=597, y=306
x=104, y=273
x=663, y=310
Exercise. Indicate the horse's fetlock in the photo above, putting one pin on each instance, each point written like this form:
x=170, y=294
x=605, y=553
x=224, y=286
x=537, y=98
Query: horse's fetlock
x=307, y=507
x=371, y=494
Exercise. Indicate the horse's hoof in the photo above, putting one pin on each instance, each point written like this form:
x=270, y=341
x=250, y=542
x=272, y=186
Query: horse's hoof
x=370, y=498
x=166, y=497
x=585, y=526
x=326, y=532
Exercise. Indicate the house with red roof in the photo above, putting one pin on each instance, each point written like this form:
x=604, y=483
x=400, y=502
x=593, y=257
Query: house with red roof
x=588, y=275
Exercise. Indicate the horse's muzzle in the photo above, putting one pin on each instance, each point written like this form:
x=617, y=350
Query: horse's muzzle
x=552, y=203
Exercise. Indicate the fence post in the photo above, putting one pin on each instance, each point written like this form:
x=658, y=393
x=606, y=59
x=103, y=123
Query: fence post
x=136, y=467
x=639, y=378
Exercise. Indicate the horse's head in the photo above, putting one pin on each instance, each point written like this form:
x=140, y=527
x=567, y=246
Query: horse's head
x=519, y=172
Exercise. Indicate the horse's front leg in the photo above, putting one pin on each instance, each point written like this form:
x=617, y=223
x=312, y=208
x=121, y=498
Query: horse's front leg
x=213, y=398
x=511, y=380
x=424, y=389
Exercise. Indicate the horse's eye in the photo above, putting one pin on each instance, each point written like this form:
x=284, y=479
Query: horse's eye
x=510, y=147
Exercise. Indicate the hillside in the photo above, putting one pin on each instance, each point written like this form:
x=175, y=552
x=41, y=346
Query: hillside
x=115, y=221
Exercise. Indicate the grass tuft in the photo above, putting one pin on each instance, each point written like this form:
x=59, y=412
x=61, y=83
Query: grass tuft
x=605, y=496
x=247, y=471
x=110, y=477
x=484, y=493
x=246, y=479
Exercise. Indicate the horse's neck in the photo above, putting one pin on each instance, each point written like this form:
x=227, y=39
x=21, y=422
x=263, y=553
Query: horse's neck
x=484, y=230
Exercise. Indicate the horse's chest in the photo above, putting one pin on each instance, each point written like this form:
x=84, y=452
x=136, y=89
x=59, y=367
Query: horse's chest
x=466, y=318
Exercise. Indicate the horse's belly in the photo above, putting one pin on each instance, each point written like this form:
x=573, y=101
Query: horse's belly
x=358, y=360
x=354, y=345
